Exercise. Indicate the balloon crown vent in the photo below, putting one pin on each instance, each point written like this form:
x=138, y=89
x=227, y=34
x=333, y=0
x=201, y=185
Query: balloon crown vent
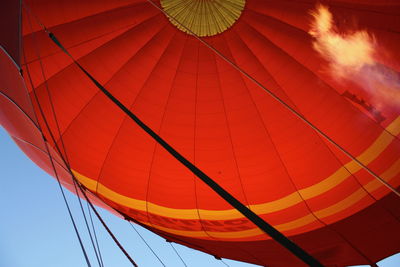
x=203, y=17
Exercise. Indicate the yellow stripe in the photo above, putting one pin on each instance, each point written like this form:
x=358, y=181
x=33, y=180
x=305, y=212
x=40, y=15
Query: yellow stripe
x=380, y=144
x=370, y=154
x=341, y=205
x=389, y=174
x=292, y=199
x=303, y=221
x=394, y=127
x=87, y=182
x=360, y=193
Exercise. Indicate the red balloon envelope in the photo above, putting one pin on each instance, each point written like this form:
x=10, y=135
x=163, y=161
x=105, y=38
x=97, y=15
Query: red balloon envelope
x=335, y=63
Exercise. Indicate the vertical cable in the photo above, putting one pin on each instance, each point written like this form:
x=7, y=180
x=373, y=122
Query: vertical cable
x=58, y=128
x=105, y=225
x=52, y=162
x=75, y=181
x=152, y=251
x=176, y=252
x=95, y=235
x=66, y=202
x=86, y=223
x=59, y=184
x=226, y=264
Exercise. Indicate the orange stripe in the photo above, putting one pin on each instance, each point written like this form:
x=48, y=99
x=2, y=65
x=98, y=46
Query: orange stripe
x=237, y=234
x=342, y=205
x=371, y=153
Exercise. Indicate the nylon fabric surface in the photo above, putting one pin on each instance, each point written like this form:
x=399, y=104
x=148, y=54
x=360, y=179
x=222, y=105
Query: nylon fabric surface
x=225, y=124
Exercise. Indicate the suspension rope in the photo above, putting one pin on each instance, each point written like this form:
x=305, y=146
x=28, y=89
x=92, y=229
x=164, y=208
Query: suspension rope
x=66, y=202
x=258, y=221
x=278, y=99
x=106, y=227
x=61, y=189
x=95, y=235
x=87, y=224
x=58, y=128
x=176, y=252
x=141, y=237
x=84, y=193
x=52, y=163
x=221, y=260
x=226, y=264
x=75, y=181
x=90, y=204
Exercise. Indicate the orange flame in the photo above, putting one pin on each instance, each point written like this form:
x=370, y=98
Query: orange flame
x=345, y=52
x=353, y=56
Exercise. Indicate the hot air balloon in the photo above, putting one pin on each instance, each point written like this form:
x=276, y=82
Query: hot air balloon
x=289, y=108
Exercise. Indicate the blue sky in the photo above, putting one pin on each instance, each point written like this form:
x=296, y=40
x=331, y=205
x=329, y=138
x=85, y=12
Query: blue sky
x=35, y=230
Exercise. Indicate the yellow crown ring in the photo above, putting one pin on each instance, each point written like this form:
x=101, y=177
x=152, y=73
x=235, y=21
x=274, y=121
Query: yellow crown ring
x=203, y=17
